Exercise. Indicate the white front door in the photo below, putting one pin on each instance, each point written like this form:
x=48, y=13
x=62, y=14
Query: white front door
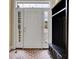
x=33, y=28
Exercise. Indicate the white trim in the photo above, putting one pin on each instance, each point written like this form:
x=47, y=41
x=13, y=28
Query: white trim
x=34, y=5
x=58, y=12
x=25, y=4
x=56, y=50
x=33, y=1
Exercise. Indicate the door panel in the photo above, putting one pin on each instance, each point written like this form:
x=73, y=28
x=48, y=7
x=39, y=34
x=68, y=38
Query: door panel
x=33, y=29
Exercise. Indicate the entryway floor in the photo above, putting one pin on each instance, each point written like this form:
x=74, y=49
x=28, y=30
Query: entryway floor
x=30, y=54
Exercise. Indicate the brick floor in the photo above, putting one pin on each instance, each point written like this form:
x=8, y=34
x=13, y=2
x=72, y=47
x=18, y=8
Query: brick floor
x=29, y=54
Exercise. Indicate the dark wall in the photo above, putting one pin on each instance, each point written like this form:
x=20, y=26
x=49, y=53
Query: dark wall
x=58, y=29
x=59, y=6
